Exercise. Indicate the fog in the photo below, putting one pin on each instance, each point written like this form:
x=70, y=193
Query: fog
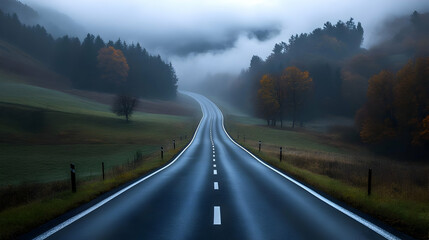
x=202, y=38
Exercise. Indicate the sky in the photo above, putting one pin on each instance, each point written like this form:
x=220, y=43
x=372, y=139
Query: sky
x=207, y=37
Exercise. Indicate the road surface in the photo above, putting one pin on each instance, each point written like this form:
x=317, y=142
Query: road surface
x=215, y=190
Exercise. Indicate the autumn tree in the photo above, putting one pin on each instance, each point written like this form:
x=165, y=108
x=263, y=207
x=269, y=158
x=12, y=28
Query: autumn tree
x=412, y=99
x=378, y=118
x=113, y=66
x=397, y=107
x=268, y=99
x=424, y=133
x=297, y=85
x=124, y=105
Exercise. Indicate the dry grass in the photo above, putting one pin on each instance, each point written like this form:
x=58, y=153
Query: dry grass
x=393, y=178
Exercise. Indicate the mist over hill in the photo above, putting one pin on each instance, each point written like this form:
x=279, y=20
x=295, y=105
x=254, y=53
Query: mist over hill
x=56, y=23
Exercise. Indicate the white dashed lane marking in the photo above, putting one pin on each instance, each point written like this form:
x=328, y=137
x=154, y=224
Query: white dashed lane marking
x=216, y=215
x=216, y=186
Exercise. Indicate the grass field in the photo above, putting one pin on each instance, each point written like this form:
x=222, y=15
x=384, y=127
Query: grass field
x=43, y=130
x=56, y=129
x=55, y=198
x=322, y=160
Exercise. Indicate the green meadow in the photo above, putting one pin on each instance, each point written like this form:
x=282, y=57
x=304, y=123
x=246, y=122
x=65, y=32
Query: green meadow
x=43, y=131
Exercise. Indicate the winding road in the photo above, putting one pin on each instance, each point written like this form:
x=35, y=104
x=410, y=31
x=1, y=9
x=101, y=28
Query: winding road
x=215, y=189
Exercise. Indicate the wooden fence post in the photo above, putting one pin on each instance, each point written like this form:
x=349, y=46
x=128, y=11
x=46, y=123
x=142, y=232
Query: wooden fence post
x=369, y=181
x=102, y=169
x=73, y=177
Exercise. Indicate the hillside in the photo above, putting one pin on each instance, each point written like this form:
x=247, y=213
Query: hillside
x=55, y=22
x=18, y=67
x=25, y=68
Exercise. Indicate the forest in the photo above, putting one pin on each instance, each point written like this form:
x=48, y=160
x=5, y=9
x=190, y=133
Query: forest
x=335, y=76
x=320, y=52
x=145, y=76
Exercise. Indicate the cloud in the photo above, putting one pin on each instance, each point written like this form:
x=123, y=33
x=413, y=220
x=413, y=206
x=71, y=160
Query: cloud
x=264, y=34
x=188, y=45
x=197, y=67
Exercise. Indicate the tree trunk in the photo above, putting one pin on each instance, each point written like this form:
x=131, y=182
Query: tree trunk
x=294, y=110
x=294, y=116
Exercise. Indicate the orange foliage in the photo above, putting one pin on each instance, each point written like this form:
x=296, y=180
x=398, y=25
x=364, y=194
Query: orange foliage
x=268, y=98
x=113, y=65
x=278, y=93
x=398, y=106
x=297, y=85
x=424, y=133
x=296, y=80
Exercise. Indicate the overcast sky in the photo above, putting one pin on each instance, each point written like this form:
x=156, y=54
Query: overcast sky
x=203, y=37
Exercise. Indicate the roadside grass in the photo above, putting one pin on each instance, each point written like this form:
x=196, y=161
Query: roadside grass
x=399, y=188
x=17, y=220
x=46, y=163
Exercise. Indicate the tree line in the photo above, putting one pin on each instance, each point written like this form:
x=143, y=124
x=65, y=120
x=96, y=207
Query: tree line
x=320, y=52
x=347, y=80
x=147, y=75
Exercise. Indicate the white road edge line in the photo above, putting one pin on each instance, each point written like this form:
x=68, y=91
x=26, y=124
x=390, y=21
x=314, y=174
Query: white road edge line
x=216, y=215
x=215, y=172
x=352, y=215
x=89, y=210
x=216, y=186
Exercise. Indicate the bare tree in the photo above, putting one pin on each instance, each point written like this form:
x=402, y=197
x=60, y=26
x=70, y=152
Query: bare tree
x=124, y=105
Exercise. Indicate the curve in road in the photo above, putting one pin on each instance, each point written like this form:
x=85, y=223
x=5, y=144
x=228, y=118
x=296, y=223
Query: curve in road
x=216, y=189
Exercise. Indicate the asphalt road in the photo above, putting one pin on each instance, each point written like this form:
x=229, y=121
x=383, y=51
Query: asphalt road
x=216, y=190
